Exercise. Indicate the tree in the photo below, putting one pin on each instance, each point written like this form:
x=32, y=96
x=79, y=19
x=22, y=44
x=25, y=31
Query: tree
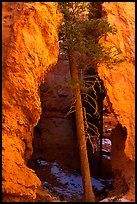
x=88, y=191
x=79, y=39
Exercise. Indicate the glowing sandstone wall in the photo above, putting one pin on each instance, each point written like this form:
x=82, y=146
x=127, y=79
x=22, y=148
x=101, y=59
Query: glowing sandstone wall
x=120, y=81
x=29, y=49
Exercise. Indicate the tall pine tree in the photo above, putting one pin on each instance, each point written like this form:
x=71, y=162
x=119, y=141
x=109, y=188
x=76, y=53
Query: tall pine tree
x=79, y=39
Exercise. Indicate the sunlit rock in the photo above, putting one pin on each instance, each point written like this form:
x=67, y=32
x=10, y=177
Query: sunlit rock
x=30, y=49
x=119, y=81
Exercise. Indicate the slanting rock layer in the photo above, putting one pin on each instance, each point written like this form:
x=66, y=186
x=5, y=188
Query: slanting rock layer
x=120, y=84
x=30, y=49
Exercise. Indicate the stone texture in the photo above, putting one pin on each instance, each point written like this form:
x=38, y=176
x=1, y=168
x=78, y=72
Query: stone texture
x=120, y=80
x=30, y=50
x=57, y=139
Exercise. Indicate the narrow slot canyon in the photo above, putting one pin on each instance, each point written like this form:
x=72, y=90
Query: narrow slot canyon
x=55, y=157
x=68, y=102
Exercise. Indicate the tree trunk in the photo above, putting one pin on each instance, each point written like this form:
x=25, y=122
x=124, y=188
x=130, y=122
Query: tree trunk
x=87, y=187
x=101, y=136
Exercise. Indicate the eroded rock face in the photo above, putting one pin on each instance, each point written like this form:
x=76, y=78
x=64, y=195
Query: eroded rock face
x=55, y=136
x=120, y=81
x=30, y=50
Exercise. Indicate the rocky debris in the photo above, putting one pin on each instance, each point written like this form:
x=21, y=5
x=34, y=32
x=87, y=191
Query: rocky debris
x=65, y=183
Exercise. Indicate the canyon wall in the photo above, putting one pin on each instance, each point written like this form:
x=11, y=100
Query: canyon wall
x=55, y=136
x=120, y=85
x=29, y=50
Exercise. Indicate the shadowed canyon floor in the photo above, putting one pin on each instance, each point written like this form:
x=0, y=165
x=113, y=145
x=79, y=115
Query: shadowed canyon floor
x=63, y=181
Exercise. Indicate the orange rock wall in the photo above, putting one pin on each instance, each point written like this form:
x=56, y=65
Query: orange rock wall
x=120, y=80
x=29, y=50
